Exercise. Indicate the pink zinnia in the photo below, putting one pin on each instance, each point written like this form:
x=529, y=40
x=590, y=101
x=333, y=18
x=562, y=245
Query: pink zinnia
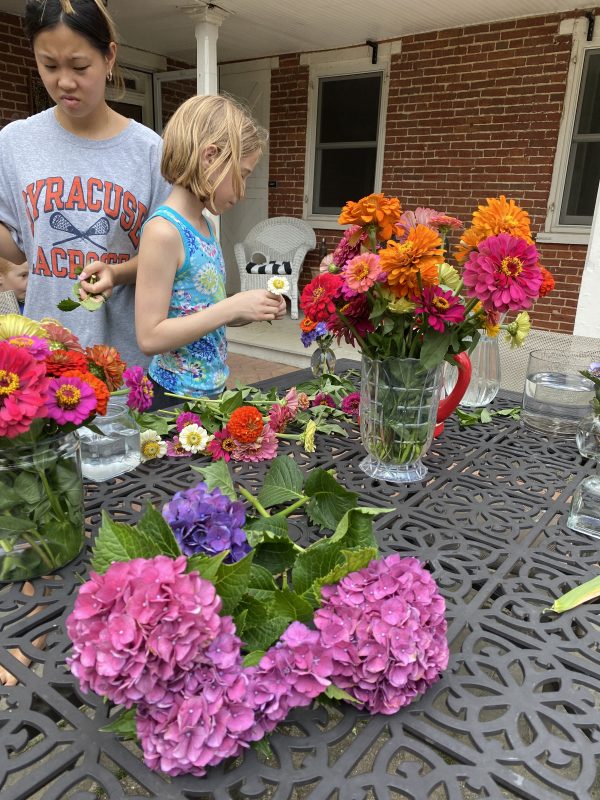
x=39, y=348
x=503, y=273
x=141, y=390
x=444, y=221
x=23, y=385
x=70, y=399
x=263, y=449
x=350, y=404
x=187, y=418
x=360, y=273
x=322, y=399
x=349, y=245
x=410, y=220
x=439, y=308
x=222, y=445
x=176, y=450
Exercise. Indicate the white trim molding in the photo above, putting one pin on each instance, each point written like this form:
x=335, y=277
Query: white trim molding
x=587, y=318
x=554, y=232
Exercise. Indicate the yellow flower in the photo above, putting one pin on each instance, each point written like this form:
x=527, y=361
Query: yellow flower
x=308, y=437
x=449, y=276
x=517, y=331
x=17, y=325
x=400, y=305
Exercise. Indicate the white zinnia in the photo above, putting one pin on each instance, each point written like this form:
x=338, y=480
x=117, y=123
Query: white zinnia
x=194, y=438
x=151, y=445
x=278, y=284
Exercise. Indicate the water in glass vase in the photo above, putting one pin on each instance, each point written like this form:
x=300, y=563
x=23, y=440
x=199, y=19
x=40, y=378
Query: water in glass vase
x=116, y=449
x=556, y=402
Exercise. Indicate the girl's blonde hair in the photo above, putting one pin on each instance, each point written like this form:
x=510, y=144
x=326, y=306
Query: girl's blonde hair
x=200, y=122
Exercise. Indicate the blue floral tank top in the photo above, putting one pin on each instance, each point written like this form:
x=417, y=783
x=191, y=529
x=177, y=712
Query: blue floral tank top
x=198, y=368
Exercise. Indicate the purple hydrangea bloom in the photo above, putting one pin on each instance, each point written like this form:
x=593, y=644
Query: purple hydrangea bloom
x=308, y=337
x=385, y=629
x=139, y=627
x=207, y=521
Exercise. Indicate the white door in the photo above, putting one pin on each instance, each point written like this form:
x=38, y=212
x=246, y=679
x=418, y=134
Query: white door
x=253, y=88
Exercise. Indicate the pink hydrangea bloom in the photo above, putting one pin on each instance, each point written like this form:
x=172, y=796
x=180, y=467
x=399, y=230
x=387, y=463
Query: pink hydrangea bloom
x=439, y=308
x=263, y=449
x=385, y=629
x=139, y=627
x=23, y=390
x=503, y=273
x=360, y=273
x=70, y=399
x=141, y=390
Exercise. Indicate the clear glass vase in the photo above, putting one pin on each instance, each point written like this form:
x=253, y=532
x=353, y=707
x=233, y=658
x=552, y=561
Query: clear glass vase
x=322, y=360
x=41, y=506
x=399, y=400
x=485, y=373
x=588, y=434
x=114, y=447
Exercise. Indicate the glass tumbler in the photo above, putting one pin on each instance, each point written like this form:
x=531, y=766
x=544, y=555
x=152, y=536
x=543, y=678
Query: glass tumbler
x=115, y=448
x=584, y=516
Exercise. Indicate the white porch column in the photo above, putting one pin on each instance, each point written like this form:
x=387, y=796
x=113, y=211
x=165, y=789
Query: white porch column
x=208, y=21
x=587, y=318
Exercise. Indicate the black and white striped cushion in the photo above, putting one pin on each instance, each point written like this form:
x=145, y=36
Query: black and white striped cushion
x=269, y=268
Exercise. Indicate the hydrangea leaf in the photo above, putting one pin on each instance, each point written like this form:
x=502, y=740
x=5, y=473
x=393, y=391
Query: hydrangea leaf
x=351, y=561
x=123, y=724
x=253, y=658
x=261, y=628
x=232, y=581
x=275, y=555
x=282, y=483
x=117, y=541
x=316, y=561
x=264, y=528
x=286, y=603
x=335, y=693
x=206, y=566
x=67, y=304
x=154, y=526
x=356, y=527
x=217, y=475
x=328, y=500
x=261, y=579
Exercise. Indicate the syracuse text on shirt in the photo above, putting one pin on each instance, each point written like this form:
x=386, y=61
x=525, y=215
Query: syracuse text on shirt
x=55, y=203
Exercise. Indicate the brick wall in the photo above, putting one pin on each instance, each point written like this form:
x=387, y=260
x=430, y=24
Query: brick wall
x=176, y=92
x=17, y=68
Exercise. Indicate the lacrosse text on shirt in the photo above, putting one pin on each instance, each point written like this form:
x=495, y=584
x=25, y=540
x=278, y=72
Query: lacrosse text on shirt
x=72, y=210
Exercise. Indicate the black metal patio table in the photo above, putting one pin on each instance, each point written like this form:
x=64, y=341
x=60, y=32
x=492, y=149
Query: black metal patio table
x=516, y=715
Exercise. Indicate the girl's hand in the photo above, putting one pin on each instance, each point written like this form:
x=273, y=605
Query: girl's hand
x=97, y=278
x=255, y=305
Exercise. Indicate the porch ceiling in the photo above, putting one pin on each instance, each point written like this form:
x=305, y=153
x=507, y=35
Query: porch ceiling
x=258, y=28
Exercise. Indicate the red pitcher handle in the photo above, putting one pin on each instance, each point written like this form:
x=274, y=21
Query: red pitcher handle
x=448, y=404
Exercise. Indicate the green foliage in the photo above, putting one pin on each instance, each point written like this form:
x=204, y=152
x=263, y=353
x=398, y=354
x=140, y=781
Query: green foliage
x=279, y=581
x=482, y=415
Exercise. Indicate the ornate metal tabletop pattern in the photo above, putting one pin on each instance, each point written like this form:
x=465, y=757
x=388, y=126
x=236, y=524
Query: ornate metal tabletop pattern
x=515, y=715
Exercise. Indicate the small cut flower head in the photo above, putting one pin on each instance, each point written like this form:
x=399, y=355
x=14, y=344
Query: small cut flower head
x=151, y=445
x=194, y=438
x=278, y=284
x=517, y=331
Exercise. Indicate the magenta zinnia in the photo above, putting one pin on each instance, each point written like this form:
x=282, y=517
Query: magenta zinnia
x=70, y=399
x=439, y=308
x=23, y=386
x=141, y=390
x=503, y=273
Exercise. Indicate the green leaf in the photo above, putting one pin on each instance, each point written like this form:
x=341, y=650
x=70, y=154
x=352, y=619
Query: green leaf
x=286, y=603
x=150, y=421
x=335, y=693
x=434, y=348
x=230, y=402
x=282, y=484
x=29, y=488
x=206, y=566
x=485, y=415
x=262, y=529
x=575, y=597
x=328, y=500
x=355, y=528
x=261, y=579
x=217, y=475
x=154, y=526
x=123, y=724
x=352, y=560
x=232, y=581
x=261, y=627
x=67, y=304
x=316, y=561
x=9, y=523
x=275, y=554
x=253, y=658
x=117, y=541
x=263, y=745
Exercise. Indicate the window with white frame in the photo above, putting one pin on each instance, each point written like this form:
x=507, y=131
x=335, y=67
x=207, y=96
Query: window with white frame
x=576, y=171
x=346, y=132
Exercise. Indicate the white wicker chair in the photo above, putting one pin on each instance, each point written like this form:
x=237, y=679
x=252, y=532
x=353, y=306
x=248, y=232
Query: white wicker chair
x=269, y=245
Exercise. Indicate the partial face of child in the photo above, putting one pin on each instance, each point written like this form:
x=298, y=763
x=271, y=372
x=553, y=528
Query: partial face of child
x=15, y=279
x=73, y=70
x=225, y=196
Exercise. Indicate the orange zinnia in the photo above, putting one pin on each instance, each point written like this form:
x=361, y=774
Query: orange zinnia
x=105, y=362
x=499, y=216
x=307, y=325
x=376, y=209
x=246, y=424
x=99, y=387
x=421, y=253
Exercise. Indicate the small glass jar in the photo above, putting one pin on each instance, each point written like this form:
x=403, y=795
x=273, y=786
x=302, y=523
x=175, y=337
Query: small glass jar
x=115, y=448
x=322, y=360
x=588, y=433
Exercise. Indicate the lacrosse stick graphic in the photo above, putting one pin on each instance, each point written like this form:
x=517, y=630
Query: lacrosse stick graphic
x=59, y=222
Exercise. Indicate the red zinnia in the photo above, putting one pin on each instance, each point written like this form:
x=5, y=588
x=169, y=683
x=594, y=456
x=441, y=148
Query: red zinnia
x=61, y=361
x=548, y=283
x=246, y=424
x=318, y=297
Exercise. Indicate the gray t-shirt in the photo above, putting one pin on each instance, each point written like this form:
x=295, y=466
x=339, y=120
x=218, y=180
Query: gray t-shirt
x=68, y=201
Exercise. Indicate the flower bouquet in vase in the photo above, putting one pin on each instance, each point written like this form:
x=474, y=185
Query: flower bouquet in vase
x=203, y=627
x=391, y=292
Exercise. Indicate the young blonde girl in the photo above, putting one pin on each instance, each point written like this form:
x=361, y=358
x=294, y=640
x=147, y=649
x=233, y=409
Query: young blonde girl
x=210, y=147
